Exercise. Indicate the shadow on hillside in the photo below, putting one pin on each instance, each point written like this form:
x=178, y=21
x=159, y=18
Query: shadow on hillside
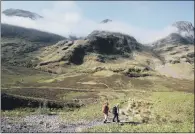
x=126, y=122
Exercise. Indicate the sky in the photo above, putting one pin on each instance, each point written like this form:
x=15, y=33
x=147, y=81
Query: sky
x=145, y=20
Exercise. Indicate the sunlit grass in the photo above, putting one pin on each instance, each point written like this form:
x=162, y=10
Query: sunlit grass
x=171, y=112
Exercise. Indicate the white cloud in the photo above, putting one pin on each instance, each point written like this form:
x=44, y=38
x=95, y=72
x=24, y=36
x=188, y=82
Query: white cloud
x=66, y=18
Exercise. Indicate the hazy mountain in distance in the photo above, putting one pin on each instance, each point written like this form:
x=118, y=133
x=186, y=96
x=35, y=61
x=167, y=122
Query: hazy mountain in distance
x=106, y=21
x=21, y=13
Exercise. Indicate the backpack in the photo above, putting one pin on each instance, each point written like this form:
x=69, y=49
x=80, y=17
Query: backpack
x=114, y=110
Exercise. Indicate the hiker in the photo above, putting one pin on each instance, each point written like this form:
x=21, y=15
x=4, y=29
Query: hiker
x=105, y=110
x=115, y=112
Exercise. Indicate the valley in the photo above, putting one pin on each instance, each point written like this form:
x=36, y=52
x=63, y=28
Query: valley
x=50, y=83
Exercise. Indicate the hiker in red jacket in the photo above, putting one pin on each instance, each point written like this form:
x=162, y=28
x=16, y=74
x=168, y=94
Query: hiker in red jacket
x=105, y=110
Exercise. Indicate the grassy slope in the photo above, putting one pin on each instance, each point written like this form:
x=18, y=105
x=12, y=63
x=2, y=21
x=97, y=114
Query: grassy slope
x=11, y=75
x=177, y=57
x=174, y=112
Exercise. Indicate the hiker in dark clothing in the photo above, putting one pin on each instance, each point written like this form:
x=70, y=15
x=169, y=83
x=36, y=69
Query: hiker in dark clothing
x=115, y=112
x=105, y=110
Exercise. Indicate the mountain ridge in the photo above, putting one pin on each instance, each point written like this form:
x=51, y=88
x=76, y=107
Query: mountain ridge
x=22, y=13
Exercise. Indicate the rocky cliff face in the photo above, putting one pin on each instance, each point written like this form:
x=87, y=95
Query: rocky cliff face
x=112, y=43
x=98, y=42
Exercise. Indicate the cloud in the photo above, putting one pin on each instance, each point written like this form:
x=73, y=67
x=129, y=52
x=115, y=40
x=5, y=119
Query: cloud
x=66, y=18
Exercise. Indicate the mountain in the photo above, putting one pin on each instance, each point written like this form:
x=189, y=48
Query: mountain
x=184, y=28
x=21, y=13
x=106, y=21
x=183, y=34
x=11, y=31
x=18, y=43
x=101, y=43
x=112, y=42
x=177, y=52
x=178, y=60
x=100, y=49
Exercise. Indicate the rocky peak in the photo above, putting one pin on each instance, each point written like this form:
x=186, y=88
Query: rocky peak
x=106, y=21
x=185, y=29
x=112, y=42
x=21, y=13
x=183, y=26
x=103, y=44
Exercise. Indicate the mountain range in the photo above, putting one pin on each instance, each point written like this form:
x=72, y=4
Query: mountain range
x=56, y=84
x=46, y=51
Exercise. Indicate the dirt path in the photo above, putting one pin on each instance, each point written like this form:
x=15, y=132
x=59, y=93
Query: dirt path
x=43, y=123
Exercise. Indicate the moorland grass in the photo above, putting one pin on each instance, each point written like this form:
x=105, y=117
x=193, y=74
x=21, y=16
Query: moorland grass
x=172, y=112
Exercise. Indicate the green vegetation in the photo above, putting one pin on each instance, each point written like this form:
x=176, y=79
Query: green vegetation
x=74, y=78
x=89, y=113
x=21, y=76
x=19, y=45
x=19, y=112
x=171, y=112
x=170, y=101
x=168, y=127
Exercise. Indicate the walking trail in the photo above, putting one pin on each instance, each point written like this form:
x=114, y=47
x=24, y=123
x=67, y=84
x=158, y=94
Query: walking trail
x=44, y=123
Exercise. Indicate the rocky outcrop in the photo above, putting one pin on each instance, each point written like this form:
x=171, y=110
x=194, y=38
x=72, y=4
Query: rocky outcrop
x=104, y=42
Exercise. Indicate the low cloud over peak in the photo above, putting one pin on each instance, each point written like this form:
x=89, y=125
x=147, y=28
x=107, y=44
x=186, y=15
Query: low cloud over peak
x=66, y=18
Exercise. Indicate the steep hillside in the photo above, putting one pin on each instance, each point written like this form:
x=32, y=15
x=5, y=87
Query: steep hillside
x=101, y=43
x=179, y=60
x=32, y=35
x=18, y=44
x=98, y=42
x=177, y=52
x=116, y=52
x=100, y=54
